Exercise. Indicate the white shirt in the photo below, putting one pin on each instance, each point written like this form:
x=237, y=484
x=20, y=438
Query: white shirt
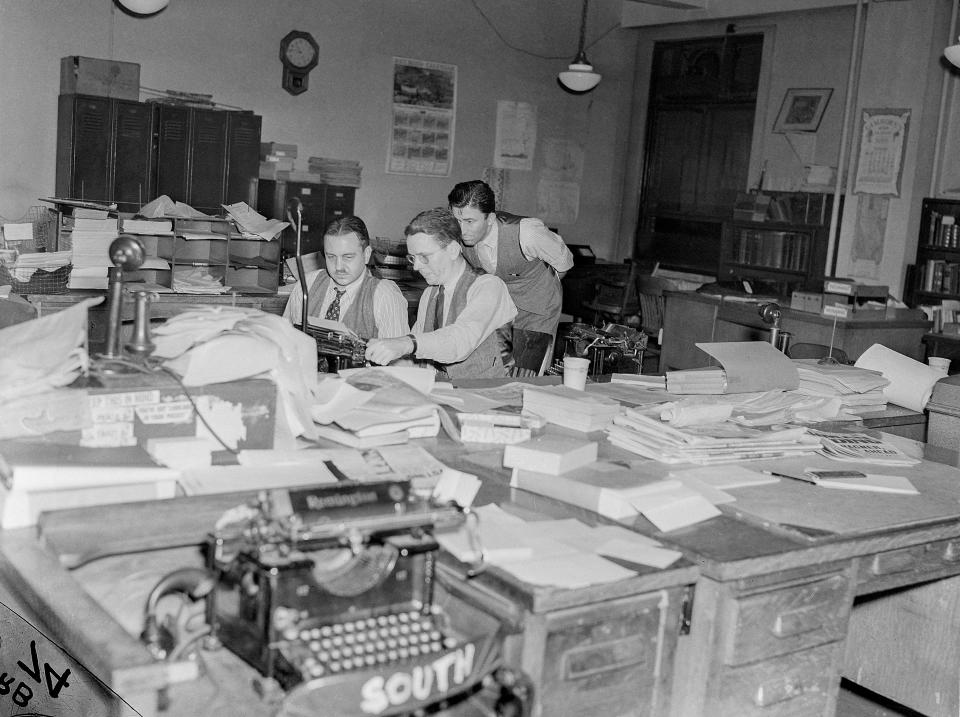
x=536, y=242
x=488, y=307
x=389, y=304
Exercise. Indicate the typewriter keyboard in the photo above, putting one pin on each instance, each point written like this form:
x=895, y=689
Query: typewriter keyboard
x=363, y=643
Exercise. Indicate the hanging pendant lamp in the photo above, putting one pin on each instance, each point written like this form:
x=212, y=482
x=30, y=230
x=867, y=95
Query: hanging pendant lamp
x=143, y=7
x=579, y=77
x=952, y=53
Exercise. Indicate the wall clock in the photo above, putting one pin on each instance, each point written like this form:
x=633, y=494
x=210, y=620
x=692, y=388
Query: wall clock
x=299, y=54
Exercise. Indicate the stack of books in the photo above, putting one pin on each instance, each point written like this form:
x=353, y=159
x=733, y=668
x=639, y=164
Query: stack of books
x=707, y=444
x=339, y=172
x=570, y=408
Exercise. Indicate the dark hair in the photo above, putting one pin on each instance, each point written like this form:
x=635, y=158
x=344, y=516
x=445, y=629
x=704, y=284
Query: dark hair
x=473, y=194
x=438, y=222
x=348, y=225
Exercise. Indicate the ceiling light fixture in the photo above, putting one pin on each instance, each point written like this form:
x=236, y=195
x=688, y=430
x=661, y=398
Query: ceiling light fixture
x=579, y=77
x=952, y=53
x=143, y=7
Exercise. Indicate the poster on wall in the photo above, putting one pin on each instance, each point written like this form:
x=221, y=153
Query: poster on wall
x=883, y=137
x=516, y=135
x=424, y=109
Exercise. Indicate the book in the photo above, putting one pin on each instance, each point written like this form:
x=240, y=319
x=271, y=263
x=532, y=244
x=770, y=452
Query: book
x=349, y=438
x=570, y=408
x=550, y=454
x=36, y=476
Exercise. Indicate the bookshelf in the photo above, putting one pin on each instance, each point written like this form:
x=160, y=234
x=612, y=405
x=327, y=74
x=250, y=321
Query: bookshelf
x=935, y=276
x=782, y=255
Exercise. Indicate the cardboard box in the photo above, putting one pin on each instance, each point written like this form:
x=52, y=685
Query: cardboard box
x=101, y=78
x=810, y=301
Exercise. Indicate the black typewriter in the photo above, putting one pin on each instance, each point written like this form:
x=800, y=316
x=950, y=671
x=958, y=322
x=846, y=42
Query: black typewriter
x=337, y=350
x=328, y=592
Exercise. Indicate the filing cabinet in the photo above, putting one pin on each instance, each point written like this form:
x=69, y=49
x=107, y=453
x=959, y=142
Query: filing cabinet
x=321, y=204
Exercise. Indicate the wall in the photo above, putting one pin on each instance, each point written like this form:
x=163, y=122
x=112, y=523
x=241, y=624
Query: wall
x=901, y=68
x=229, y=48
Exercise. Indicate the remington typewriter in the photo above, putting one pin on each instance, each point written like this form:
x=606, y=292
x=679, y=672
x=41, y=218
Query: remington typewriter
x=337, y=349
x=328, y=592
x=611, y=348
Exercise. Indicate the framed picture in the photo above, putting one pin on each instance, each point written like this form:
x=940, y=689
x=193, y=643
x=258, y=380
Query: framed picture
x=802, y=109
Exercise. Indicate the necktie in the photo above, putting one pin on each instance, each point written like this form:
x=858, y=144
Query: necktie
x=333, y=311
x=438, y=308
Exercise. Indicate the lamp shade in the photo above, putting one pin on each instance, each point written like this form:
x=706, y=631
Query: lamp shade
x=143, y=7
x=952, y=53
x=579, y=77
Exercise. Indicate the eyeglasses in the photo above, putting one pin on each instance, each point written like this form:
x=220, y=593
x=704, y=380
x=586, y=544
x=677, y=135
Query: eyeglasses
x=424, y=258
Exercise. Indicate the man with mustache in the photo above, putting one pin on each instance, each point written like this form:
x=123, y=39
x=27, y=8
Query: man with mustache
x=344, y=290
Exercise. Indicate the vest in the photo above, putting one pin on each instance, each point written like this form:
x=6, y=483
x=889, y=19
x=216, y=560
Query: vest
x=484, y=361
x=359, y=316
x=532, y=284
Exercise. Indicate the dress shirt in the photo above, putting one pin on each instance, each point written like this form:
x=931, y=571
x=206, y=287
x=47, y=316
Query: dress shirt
x=489, y=307
x=536, y=242
x=389, y=304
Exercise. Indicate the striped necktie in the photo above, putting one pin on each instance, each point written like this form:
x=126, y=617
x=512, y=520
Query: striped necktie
x=438, y=308
x=333, y=311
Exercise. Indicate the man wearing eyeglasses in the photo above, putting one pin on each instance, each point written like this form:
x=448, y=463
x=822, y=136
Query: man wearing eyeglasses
x=529, y=258
x=344, y=290
x=459, y=313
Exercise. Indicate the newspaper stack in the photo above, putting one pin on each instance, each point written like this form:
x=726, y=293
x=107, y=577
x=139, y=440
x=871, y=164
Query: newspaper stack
x=707, y=444
x=570, y=408
x=338, y=172
x=711, y=380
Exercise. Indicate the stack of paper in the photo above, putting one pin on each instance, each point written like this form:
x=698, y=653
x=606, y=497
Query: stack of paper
x=570, y=408
x=861, y=448
x=196, y=280
x=858, y=389
x=90, y=241
x=550, y=454
x=697, y=380
x=707, y=444
x=149, y=227
x=252, y=224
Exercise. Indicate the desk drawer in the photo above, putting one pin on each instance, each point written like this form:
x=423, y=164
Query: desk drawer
x=912, y=564
x=796, y=685
x=786, y=618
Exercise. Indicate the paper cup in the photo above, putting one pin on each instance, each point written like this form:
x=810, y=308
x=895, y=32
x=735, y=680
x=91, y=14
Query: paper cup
x=575, y=372
x=941, y=364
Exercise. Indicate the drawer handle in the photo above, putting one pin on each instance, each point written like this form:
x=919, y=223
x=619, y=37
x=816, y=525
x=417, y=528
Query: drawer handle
x=899, y=561
x=952, y=552
x=781, y=690
x=797, y=622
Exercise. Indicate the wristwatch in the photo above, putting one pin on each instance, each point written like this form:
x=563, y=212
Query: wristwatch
x=413, y=340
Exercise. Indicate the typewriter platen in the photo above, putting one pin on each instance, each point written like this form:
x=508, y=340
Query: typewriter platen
x=337, y=349
x=329, y=593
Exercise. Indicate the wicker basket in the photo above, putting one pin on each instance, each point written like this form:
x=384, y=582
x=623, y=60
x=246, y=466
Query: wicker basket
x=42, y=282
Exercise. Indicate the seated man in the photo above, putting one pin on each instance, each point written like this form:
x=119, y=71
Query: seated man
x=459, y=313
x=345, y=290
x=530, y=258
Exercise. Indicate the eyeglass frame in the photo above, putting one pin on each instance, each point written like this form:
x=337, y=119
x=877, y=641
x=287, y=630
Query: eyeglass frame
x=424, y=258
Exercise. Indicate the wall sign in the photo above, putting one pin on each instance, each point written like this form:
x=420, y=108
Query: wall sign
x=883, y=136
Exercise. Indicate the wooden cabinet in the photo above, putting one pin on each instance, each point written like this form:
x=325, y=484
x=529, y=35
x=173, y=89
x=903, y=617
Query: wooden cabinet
x=321, y=204
x=784, y=257
x=128, y=152
x=105, y=150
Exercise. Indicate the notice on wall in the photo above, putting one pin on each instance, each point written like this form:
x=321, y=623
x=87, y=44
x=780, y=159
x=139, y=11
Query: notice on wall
x=424, y=110
x=558, y=202
x=516, y=135
x=883, y=137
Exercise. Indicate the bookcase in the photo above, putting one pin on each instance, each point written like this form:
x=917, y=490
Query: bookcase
x=936, y=274
x=784, y=256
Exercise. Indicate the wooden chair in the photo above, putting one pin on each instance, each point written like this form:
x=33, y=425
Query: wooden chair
x=650, y=296
x=615, y=298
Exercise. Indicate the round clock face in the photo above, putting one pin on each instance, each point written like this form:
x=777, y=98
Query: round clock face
x=300, y=52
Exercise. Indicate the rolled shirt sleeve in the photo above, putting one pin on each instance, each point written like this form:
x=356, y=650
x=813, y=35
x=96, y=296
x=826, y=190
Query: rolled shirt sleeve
x=489, y=307
x=538, y=242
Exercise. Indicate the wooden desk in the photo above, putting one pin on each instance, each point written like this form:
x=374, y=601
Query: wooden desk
x=769, y=625
x=690, y=317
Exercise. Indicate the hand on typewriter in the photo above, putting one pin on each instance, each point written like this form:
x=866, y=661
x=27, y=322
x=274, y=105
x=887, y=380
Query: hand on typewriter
x=384, y=351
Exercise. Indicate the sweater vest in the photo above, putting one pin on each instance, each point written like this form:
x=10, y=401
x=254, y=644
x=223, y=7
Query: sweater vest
x=359, y=316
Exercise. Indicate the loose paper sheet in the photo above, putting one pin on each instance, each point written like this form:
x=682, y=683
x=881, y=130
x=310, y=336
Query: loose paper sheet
x=753, y=366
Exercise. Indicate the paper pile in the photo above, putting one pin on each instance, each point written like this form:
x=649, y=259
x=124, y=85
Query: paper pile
x=858, y=389
x=570, y=408
x=707, y=444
